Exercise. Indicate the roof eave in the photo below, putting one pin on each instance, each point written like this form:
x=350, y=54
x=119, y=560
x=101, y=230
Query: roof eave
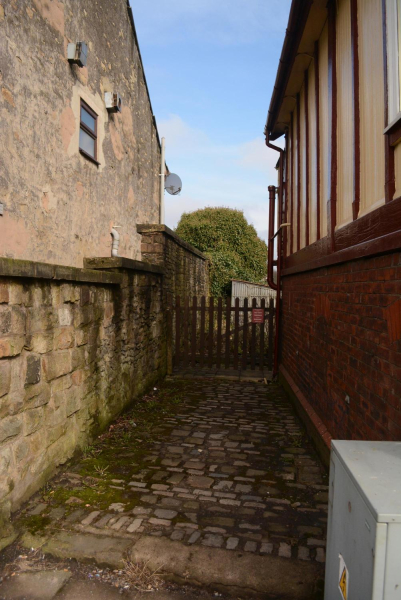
x=299, y=13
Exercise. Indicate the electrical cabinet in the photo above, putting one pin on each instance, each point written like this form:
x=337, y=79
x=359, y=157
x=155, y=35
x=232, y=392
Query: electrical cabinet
x=364, y=527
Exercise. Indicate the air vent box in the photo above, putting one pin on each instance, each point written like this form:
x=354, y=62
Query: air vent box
x=113, y=101
x=77, y=53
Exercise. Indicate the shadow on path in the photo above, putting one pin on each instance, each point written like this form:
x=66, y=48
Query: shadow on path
x=223, y=489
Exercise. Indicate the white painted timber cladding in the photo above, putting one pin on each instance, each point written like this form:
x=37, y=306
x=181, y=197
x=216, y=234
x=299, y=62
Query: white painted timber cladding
x=393, y=62
x=371, y=100
x=302, y=166
x=295, y=191
x=324, y=128
x=345, y=140
x=313, y=166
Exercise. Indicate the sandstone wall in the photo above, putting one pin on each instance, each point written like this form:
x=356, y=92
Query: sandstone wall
x=58, y=205
x=76, y=347
x=186, y=268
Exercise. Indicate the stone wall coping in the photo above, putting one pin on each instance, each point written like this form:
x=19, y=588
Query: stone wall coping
x=121, y=262
x=171, y=234
x=12, y=267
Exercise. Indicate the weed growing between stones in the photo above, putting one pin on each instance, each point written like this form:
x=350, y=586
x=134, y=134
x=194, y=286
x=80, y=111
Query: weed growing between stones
x=101, y=470
x=90, y=451
x=98, y=477
x=297, y=441
x=141, y=578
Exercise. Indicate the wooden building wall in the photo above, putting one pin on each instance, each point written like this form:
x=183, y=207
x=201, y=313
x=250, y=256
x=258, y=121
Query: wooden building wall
x=345, y=143
x=371, y=99
x=313, y=159
x=323, y=56
x=360, y=164
x=303, y=151
x=294, y=227
x=340, y=332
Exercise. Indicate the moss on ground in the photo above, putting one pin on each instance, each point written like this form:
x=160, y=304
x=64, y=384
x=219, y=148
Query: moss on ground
x=110, y=461
x=35, y=523
x=99, y=497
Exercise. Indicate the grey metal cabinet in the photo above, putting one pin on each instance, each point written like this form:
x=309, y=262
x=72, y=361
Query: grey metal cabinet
x=364, y=527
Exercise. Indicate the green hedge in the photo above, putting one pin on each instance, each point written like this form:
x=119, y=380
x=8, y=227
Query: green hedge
x=234, y=249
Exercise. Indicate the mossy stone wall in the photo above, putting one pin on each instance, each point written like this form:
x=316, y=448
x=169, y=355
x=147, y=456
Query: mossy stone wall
x=73, y=355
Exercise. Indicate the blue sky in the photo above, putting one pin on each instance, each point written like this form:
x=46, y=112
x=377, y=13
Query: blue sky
x=210, y=67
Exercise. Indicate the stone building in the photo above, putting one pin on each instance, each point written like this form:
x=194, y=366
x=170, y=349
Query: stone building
x=81, y=334
x=62, y=187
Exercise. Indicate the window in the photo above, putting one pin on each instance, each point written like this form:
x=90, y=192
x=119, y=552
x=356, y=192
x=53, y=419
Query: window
x=393, y=22
x=88, y=132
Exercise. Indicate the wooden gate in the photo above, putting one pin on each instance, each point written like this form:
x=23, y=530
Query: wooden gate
x=211, y=333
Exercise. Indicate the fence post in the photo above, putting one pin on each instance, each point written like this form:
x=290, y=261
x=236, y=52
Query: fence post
x=228, y=328
x=244, y=360
x=271, y=334
x=219, y=324
x=236, y=333
x=253, y=338
x=262, y=337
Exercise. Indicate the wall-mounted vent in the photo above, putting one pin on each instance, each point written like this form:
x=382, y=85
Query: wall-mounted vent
x=113, y=101
x=77, y=53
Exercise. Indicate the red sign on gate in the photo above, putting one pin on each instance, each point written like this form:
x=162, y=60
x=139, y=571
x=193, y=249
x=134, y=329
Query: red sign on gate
x=258, y=315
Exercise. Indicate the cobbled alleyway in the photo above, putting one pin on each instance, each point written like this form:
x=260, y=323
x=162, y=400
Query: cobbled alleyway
x=231, y=468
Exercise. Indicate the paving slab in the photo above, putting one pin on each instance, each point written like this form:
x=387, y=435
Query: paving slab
x=41, y=585
x=104, y=550
x=84, y=590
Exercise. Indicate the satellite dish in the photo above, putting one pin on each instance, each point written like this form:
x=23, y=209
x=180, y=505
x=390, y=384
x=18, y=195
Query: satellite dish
x=173, y=184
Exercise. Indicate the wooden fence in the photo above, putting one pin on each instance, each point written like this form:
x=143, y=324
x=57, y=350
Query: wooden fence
x=211, y=333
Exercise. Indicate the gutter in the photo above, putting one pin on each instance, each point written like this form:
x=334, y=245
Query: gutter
x=296, y=24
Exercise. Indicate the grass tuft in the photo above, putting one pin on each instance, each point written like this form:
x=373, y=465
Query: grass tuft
x=141, y=578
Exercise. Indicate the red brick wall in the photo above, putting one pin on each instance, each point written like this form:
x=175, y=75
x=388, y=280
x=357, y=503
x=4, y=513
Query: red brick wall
x=341, y=331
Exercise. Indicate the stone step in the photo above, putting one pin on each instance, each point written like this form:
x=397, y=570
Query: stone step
x=242, y=573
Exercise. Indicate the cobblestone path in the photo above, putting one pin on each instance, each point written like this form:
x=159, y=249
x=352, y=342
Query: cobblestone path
x=233, y=469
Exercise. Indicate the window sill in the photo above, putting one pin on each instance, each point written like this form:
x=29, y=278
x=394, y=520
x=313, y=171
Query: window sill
x=89, y=157
x=393, y=130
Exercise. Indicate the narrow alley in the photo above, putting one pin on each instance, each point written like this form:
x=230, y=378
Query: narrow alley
x=223, y=489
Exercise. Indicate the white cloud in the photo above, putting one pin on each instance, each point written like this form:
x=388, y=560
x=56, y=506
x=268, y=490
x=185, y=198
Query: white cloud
x=180, y=137
x=223, y=22
x=254, y=155
x=234, y=175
